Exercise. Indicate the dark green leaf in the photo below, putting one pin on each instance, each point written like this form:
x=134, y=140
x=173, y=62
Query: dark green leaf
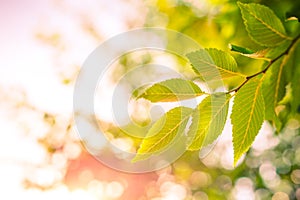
x=274, y=89
x=292, y=26
x=295, y=81
x=239, y=49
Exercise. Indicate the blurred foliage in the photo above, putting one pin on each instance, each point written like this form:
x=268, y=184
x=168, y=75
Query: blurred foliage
x=264, y=172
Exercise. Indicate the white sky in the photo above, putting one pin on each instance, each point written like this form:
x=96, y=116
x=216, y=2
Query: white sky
x=27, y=63
x=23, y=61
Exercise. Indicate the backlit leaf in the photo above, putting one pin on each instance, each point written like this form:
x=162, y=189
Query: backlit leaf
x=163, y=132
x=263, y=26
x=171, y=90
x=208, y=121
x=274, y=89
x=214, y=64
x=247, y=116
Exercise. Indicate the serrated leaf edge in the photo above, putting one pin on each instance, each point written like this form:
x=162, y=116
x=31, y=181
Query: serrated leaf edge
x=257, y=93
x=209, y=124
x=194, y=95
x=162, y=138
x=271, y=28
x=219, y=68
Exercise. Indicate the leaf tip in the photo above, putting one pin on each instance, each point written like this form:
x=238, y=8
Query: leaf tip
x=139, y=157
x=139, y=92
x=134, y=160
x=236, y=159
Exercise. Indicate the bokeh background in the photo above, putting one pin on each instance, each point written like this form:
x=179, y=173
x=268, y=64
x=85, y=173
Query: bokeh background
x=43, y=46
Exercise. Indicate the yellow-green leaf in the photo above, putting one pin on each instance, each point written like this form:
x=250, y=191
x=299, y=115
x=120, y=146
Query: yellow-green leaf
x=214, y=64
x=247, y=116
x=263, y=26
x=172, y=90
x=163, y=132
x=208, y=121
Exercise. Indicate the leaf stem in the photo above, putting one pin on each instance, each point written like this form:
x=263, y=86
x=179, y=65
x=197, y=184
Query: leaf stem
x=286, y=52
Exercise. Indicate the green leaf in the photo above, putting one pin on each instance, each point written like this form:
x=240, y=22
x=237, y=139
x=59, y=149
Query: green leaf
x=274, y=89
x=263, y=26
x=247, y=116
x=214, y=64
x=292, y=26
x=140, y=90
x=208, y=121
x=271, y=52
x=295, y=82
x=249, y=53
x=163, y=132
x=239, y=49
x=274, y=52
x=171, y=90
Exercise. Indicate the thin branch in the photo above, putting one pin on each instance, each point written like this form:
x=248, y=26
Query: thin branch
x=286, y=52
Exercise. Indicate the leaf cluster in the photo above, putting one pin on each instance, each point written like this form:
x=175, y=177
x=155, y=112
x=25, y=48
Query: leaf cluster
x=270, y=94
